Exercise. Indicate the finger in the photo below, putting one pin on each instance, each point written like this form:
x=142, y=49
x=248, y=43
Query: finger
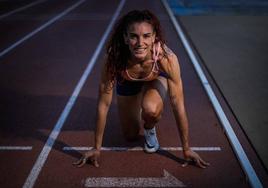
x=204, y=162
x=198, y=162
x=83, y=162
x=96, y=164
x=78, y=162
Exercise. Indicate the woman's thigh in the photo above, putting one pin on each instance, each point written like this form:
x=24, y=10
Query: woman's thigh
x=129, y=109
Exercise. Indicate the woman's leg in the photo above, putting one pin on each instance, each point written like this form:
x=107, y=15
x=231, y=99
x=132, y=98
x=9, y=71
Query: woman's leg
x=154, y=94
x=129, y=109
x=148, y=104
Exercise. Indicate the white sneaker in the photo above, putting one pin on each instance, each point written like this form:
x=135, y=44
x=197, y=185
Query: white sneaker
x=151, y=144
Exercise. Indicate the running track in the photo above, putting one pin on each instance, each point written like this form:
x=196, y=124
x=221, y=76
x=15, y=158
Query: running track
x=45, y=126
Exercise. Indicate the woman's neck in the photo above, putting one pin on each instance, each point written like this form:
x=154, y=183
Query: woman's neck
x=133, y=61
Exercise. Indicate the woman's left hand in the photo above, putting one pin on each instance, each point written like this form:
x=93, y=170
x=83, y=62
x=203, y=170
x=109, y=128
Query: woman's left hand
x=192, y=156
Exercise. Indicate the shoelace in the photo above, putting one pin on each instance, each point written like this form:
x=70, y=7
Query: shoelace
x=149, y=134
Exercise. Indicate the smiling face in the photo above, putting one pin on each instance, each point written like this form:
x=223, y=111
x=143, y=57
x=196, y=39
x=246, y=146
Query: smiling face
x=140, y=38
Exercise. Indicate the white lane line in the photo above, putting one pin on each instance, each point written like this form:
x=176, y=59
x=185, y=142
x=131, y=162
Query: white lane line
x=21, y=8
x=239, y=151
x=40, y=28
x=29, y=183
x=140, y=148
x=14, y=148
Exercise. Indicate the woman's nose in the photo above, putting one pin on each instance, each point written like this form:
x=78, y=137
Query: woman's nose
x=140, y=40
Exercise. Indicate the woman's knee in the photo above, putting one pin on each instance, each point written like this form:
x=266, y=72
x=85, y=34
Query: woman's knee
x=151, y=112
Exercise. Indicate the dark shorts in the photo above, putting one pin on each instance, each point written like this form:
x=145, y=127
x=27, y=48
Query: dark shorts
x=129, y=88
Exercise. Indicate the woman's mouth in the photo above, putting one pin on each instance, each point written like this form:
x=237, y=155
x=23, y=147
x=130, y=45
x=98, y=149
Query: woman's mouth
x=139, y=50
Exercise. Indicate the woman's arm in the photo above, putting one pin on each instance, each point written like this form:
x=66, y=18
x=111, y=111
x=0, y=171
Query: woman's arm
x=104, y=100
x=175, y=89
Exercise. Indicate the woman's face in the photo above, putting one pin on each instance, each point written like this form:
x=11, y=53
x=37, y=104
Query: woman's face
x=140, y=38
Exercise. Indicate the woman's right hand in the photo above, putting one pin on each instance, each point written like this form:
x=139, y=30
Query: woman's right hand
x=92, y=155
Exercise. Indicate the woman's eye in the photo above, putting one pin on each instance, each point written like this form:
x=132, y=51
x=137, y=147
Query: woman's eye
x=132, y=36
x=147, y=36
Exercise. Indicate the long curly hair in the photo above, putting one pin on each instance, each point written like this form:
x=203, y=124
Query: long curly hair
x=116, y=49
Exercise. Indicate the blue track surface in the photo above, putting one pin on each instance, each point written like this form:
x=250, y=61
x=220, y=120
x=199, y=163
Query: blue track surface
x=219, y=7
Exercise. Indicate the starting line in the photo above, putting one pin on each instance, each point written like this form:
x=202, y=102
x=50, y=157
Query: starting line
x=15, y=148
x=140, y=148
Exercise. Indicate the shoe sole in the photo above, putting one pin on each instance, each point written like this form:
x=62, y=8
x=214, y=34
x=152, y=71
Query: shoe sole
x=151, y=150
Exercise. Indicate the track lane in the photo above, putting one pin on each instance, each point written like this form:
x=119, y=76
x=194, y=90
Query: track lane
x=9, y=6
x=35, y=86
x=205, y=131
x=18, y=25
x=78, y=130
x=244, y=140
x=19, y=8
x=235, y=143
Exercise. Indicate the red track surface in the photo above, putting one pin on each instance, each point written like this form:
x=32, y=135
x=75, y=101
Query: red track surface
x=38, y=77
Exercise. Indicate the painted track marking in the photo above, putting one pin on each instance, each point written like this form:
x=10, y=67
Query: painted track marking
x=166, y=181
x=15, y=148
x=237, y=147
x=21, y=8
x=140, y=148
x=29, y=183
x=40, y=28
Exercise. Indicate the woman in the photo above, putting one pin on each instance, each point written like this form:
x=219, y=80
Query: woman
x=143, y=70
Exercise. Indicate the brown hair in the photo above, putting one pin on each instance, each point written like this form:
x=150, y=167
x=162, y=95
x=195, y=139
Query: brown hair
x=117, y=51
